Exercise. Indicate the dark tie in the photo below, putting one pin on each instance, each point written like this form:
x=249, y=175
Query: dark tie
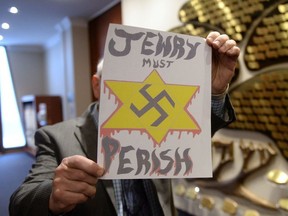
x=140, y=198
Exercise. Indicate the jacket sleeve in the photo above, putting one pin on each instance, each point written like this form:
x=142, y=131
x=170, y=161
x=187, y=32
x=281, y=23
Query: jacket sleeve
x=217, y=123
x=32, y=197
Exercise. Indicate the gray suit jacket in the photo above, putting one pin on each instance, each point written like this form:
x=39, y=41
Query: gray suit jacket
x=77, y=137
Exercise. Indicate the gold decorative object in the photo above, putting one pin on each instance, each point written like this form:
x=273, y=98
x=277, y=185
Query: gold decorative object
x=250, y=212
x=261, y=102
x=180, y=190
x=234, y=186
x=230, y=206
x=208, y=202
x=264, y=25
x=267, y=42
x=192, y=193
x=283, y=8
x=283, y=204
x=277, y=177
x=270, y=90
x=271, y=37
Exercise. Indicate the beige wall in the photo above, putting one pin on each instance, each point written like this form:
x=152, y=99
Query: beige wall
x=27, y=65
x=67, y=65
x=61, y=68
x=155, y=14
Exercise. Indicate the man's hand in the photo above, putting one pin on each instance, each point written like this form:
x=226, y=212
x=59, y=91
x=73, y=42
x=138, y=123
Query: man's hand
x=224, y=59
x=74, y=182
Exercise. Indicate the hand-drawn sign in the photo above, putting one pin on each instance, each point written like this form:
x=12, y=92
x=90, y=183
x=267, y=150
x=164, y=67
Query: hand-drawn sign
x=155, y=106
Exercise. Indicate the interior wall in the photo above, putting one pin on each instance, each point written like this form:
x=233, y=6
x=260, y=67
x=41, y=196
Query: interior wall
x=81, y=61
x=68, y=66
x=27, y=64
x=97, y=34
x=155, y=14
x=55, y=76
x=65, y=66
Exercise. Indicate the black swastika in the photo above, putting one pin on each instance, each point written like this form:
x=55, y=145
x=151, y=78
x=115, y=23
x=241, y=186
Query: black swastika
x=153, y=103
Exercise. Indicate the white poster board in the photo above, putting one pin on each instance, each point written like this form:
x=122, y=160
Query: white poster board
x=155, y=105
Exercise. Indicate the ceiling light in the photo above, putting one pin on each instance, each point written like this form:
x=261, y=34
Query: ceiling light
x=1, y=37
x=5, y=26
x=13, y=10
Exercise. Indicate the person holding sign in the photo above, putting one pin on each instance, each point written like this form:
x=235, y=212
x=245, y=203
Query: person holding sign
x=65, y=177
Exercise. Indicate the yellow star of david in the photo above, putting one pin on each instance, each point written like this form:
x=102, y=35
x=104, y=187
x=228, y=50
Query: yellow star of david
x=151, y=107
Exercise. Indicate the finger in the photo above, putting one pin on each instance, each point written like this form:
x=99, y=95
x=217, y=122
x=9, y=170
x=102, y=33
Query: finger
x=229, y=44
x=65, y=199
x=85, y=164
x=75, y=174
x=83, y=188
x=211, y=37
x=80, y=187
x=220, y=41
x=234, y=51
